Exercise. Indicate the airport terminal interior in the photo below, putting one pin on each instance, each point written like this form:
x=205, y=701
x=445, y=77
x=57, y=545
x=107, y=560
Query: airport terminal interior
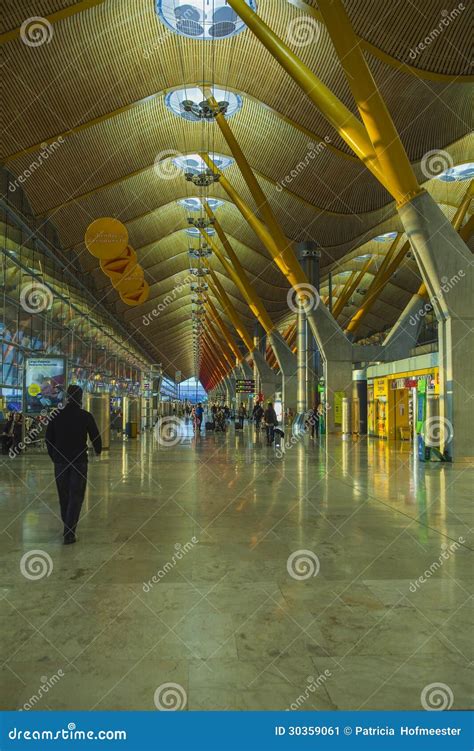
x=244, y=229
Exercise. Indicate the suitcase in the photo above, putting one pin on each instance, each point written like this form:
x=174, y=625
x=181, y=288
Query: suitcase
x=210, y=426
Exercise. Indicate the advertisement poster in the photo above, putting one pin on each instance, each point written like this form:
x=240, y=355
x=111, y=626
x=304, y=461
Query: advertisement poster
x=44, y=383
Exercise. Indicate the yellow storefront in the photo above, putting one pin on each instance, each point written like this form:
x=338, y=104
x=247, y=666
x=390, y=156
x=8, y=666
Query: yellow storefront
x=391, y=402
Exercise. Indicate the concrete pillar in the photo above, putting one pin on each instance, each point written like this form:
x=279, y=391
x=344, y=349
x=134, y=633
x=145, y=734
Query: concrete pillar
x=403, y=335
x=446, y=267
x=287, y=362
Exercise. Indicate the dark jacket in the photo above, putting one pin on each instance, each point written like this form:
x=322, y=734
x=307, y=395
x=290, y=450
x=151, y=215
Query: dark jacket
x=270, y=416
x=66, y=435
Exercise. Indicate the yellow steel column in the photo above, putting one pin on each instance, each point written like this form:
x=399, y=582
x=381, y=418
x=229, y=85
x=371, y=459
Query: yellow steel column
x=234, y=316
x=375, y=289
x=340, y=117
x=294, y=273
x=346, y=294
x=391, y=155
x=241, y=282
x=254, y=301
x=283, y=243
x=225, y=330
x=218, y=343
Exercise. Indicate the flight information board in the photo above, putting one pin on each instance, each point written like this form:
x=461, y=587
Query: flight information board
x=245, y=386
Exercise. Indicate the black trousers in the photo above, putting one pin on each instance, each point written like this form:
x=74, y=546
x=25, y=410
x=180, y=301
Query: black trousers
x=270, y=433
x=71, y=481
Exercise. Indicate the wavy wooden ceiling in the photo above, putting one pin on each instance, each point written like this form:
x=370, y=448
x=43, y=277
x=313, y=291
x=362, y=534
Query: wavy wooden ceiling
x=101, y=82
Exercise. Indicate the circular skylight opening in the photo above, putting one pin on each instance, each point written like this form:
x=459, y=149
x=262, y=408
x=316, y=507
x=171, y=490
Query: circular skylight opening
x=195, y=232
x=201, y=19
x=455, y=174
x=196, y=204
x=194, y=164
x=190, y=103
x=385, y=238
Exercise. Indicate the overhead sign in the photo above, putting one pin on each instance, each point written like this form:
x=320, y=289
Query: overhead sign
x=245, y=386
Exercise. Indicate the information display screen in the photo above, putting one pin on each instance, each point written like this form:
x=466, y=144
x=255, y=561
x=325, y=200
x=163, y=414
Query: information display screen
x=245, y=386
x=44, y=383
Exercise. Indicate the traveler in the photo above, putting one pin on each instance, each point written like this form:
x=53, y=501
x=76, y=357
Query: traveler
x=66, y=441
x=271, y=421
x=242, y=416
x=257, y=415
x=199, y=414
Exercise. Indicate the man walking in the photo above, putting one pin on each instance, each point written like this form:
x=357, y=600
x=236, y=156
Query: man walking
x=271, y=421
x=66, y=441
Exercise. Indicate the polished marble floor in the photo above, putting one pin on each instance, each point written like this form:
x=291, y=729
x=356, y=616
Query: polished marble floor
x=336, y=576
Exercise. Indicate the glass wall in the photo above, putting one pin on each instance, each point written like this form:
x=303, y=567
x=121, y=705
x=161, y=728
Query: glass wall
x=45, y=310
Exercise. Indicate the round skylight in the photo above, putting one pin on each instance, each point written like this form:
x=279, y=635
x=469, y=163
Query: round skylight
x=195, y=204
x=193, y=162
x=186, y=102
x=460, y=172
x=195, y=232
x=385, y=238
x=201, y=19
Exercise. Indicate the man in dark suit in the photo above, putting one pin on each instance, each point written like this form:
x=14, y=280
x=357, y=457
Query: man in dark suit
x=66, y=440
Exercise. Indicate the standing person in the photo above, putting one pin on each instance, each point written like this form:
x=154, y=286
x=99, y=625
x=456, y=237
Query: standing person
x=241, y=416
x=66, y=441
x=199, y=412
x=271, y=421
x=257, y=415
